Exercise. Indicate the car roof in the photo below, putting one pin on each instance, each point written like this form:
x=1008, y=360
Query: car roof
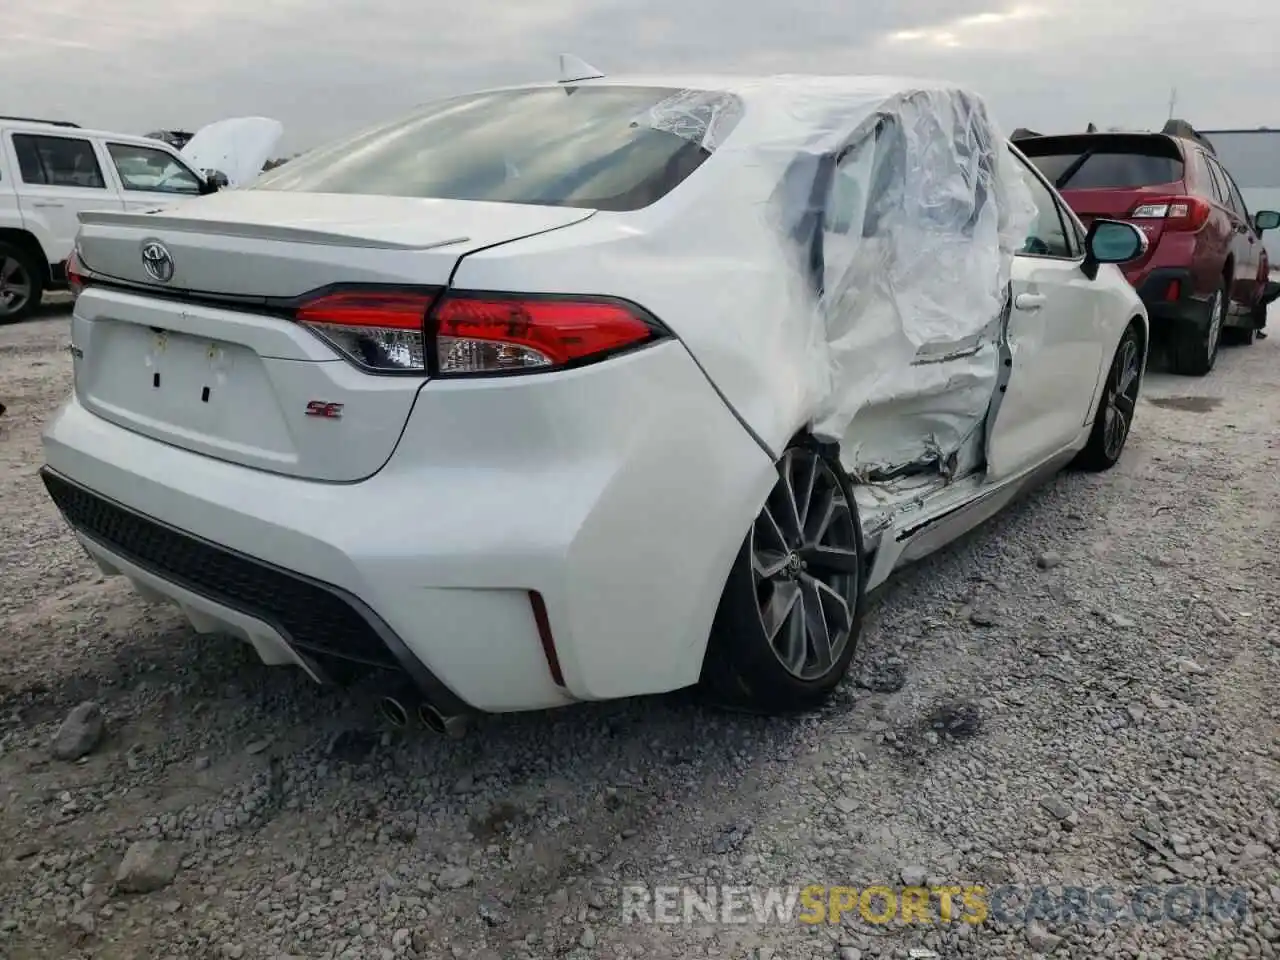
x=876, y=83
x=806, y=111
x=776, y=88
x=63, y=130
x=798, y=85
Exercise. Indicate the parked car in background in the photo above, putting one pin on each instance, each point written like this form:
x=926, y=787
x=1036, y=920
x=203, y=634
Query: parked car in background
x=174, y=138
x=235, y=150
x=530, y=398
x=1204, y=276
x=51, y=172
x=1252, y=157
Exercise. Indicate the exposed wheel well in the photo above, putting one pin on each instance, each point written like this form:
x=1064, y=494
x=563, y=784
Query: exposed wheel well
x=25, y=240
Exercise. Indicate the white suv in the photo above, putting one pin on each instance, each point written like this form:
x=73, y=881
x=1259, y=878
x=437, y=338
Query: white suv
x=51, y=171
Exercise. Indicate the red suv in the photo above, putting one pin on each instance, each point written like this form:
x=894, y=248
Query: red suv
x=1204, y=275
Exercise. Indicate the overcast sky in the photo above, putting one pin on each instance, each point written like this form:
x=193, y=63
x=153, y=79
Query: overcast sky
x=327, y=67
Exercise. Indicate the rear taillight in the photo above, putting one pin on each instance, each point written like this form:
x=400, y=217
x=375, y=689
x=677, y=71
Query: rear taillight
x=381, y=330
x=487, y=334
x=465, y=334
x=1178, y=213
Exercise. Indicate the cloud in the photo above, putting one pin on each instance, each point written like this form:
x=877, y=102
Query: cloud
x=326, y=67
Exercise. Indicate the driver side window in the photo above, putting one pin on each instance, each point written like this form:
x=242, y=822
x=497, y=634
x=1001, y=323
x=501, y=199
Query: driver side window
x=1047, y=236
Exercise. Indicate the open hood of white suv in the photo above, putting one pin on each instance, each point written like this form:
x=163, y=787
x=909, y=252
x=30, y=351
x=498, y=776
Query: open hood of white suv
x=237, y=147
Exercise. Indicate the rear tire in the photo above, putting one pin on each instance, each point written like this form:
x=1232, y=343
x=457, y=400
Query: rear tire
x=21, y=283
x=1116, y=407
x=1194, y=351
x=791, y=612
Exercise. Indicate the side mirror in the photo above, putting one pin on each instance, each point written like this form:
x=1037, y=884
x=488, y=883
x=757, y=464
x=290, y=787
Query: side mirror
x=1111, y=241
x=1266, y=220
x=214, y=181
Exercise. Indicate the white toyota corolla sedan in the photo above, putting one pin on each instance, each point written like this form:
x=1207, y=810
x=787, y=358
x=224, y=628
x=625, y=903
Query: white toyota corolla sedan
x=590, y=389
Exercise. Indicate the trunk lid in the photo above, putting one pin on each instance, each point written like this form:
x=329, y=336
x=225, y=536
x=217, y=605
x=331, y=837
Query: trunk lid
x=206, y=363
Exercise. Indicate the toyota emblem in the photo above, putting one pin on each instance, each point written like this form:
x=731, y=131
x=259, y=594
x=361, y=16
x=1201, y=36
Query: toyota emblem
x=157, y=261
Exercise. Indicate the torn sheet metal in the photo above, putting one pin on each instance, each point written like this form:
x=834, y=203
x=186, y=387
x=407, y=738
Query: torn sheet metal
x=872, y=222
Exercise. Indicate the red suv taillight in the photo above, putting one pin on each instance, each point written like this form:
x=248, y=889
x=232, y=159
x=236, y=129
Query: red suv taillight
x=464, y=334
x=1178, y=213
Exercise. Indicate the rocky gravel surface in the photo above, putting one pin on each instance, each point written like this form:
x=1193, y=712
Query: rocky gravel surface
x=1080, y=695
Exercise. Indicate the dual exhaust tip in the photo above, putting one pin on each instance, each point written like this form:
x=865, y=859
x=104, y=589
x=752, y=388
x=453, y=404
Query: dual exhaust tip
x=396, y=713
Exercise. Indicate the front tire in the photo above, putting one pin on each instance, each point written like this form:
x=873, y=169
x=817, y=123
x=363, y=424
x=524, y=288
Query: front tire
x=1194, y=351
x=791, y=611
x=1119, y=402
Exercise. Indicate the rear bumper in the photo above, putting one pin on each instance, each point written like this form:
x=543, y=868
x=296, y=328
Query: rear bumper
x=1167, y=293
x=619, y=493
x=285, y=616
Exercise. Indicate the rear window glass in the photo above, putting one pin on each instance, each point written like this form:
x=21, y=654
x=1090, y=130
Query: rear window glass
x=1084, y=164
x=607, y=148
x=1252, y=157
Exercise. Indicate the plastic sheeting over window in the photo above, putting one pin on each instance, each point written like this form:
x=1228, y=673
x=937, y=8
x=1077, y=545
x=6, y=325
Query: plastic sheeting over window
x=701, y=117
x=869, y=225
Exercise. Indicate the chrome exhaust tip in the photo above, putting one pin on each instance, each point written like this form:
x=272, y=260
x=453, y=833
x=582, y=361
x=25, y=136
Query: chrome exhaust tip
x=394, y=712
x=454, y=727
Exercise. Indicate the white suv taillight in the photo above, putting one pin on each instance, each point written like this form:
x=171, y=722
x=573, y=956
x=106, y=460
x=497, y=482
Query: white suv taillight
x=462, y=334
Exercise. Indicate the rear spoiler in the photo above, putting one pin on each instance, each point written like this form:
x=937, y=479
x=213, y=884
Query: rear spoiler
x=1172, y=128
x=250, y=231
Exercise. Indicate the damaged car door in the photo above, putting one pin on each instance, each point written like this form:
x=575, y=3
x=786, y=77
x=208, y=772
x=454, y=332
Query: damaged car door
x=1055, y=339
x=922, y=423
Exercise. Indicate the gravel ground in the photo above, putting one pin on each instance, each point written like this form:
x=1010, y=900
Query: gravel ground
x=1081, y=693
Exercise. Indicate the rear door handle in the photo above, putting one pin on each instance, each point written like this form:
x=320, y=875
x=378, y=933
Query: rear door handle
x=46, y=203
x=1029, y=301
